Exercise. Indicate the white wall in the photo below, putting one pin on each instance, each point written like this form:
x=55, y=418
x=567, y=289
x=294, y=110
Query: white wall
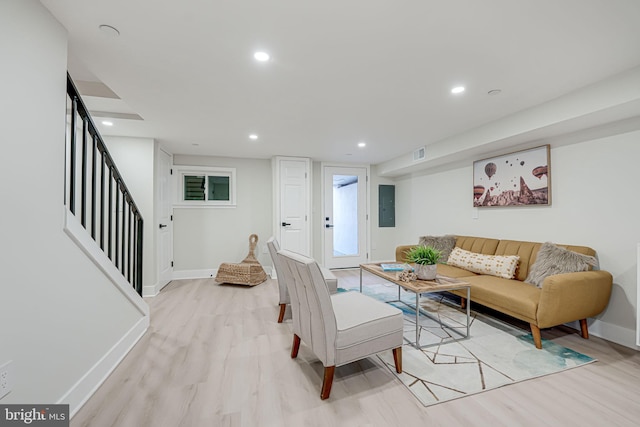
x=206, y=237
x=134, y=158
x=594, y=203
x=60, y=315
x=383, y=239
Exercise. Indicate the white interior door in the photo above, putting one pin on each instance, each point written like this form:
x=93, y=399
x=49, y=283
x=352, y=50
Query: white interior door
x=345, y=216
x=164, y=228
x=294, y=206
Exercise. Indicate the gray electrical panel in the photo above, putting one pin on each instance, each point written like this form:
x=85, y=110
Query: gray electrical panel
x=386, y=206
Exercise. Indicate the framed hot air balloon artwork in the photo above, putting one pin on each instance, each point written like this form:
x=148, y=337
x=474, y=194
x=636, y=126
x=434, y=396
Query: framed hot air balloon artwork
x=522, y=178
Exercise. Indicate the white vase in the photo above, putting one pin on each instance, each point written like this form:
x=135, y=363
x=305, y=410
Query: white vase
x=425, y=272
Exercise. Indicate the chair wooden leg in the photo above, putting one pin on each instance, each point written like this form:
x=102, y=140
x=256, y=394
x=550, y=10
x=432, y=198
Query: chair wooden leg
x=283, y=308
x=327, y=382
x=463, y=303
x=535, y=332
x=295, y=347
x=584, y=329
x=397, y=358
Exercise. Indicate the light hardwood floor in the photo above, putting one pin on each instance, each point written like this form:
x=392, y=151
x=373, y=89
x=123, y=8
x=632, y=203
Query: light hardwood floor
x=214, y=355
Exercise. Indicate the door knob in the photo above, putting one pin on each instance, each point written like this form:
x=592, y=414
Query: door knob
x=162, y=226
x=284, y=224
x=328, y=226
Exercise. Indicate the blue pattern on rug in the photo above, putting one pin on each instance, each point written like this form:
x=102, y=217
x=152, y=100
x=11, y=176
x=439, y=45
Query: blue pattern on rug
x=449, y=366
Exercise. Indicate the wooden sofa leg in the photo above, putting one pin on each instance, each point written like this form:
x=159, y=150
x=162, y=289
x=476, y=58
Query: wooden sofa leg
x=397, y=359
x=463, y=303
x=327, y=382
x=584, y=329
x=295, y=347
x=283, y=308
x=535, y=332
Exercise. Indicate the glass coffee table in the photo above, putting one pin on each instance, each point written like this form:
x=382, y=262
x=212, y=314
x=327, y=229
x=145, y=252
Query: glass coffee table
x=418, y=287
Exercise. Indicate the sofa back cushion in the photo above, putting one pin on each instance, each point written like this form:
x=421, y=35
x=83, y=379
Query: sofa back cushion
x=552, y=259
x=480, y=245
x=493, y=265
x=444, y=244
x=527, y=252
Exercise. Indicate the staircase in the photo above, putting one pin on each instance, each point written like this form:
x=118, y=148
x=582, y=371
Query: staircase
x=96, y=194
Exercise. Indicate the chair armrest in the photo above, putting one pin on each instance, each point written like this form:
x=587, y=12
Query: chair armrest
x=330, y=279
x=401, y=252
x=573, y=296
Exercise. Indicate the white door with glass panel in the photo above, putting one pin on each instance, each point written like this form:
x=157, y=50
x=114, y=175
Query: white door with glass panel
x=345, y=216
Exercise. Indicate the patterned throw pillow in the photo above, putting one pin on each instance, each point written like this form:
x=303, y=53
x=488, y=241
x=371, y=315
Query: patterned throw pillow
x=495, y=265
x=444, y=244
x=552, y=259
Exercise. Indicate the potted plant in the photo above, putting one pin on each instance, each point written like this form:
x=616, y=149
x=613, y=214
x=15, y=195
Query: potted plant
x=425, y=259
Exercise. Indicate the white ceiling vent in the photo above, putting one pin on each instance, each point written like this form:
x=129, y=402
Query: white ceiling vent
x=419, y=154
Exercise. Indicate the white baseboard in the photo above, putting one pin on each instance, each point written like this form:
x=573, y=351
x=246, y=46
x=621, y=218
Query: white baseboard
x=82, y=390
x=150, y=291
x=205, y=274
x=607, y=331
x=194, y=274
x=153, y=290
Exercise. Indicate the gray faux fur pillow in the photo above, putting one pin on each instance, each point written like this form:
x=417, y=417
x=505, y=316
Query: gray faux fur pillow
x=444, y=244
x=553, y=259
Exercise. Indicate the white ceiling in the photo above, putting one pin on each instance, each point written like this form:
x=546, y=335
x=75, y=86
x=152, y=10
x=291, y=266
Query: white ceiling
x=341, y=71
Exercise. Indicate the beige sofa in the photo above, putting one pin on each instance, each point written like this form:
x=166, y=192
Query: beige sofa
x=562, y=298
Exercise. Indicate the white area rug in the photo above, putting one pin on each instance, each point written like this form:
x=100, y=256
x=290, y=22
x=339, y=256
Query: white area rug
x=450, y=366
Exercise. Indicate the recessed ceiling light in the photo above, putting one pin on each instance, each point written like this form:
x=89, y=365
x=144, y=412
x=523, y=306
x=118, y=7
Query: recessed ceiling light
x=107, y=123
x=261, y=56
x=253, y=136
x=109, y=30
x=362, y=144
x=457, y=89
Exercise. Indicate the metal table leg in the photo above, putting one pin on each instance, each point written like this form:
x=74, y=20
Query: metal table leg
x=468, y=308
x=417, y=321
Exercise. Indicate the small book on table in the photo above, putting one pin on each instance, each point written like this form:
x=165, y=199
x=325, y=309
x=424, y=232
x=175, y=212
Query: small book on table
x=394, y=267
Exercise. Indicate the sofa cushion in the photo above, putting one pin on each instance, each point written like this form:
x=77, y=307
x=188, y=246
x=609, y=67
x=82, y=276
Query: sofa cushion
x=455, y=272
x=528, y=251
x=525, y=250
x=444, y=244
x=480, y=245
x=493, y=265
x=511, y=297
x=552, y=259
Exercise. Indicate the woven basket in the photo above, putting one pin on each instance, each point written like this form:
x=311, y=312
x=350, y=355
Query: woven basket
x=248, y=272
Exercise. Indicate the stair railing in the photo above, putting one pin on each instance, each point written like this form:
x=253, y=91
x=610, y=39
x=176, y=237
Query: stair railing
x=96, y=193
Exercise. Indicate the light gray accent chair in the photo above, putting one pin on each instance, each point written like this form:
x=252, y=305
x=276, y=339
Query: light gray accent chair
x=339, y=328
x=329, y=278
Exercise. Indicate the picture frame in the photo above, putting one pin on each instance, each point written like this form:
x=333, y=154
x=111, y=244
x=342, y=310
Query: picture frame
x=521, y=178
